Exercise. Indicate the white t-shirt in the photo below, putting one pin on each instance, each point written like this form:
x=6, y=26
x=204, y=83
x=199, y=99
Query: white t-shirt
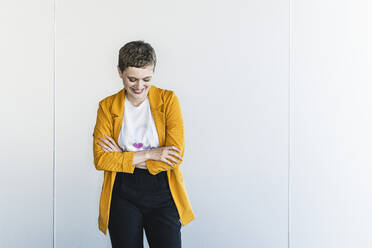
x=138, y=131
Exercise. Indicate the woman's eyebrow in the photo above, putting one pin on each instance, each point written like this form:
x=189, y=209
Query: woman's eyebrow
x=137, y=78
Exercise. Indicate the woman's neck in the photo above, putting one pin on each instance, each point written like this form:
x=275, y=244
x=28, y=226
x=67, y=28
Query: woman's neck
x=134, y=102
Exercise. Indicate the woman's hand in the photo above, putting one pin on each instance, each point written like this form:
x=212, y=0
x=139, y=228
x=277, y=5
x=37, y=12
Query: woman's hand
x=110, y=145
x=141, y=165
x=164, y=154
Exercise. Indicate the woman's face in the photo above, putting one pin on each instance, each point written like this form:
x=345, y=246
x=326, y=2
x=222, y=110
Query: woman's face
x=137, y=81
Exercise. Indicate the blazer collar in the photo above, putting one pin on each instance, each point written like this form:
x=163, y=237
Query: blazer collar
x=155, y=100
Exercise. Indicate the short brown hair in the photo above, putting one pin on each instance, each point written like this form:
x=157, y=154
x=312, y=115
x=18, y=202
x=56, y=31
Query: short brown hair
x=136, y=54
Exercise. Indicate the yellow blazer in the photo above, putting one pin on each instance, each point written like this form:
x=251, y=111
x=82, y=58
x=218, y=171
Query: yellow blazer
x=166, y=111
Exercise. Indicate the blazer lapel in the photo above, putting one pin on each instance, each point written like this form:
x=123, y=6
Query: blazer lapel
x=155, y=101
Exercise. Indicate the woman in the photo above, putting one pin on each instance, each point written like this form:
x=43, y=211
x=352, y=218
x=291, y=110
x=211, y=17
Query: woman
x=138, y=142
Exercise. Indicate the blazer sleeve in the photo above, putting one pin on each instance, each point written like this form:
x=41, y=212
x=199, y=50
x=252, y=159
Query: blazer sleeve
x=109, y=161
x=175, y=135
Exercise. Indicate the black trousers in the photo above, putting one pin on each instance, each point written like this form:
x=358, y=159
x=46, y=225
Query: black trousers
x=142, y=201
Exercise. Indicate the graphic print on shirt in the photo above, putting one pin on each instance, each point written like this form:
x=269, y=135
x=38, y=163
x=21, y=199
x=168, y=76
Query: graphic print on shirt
x=139, y=132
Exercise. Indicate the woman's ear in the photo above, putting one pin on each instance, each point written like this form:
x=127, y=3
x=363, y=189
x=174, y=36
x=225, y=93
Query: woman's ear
x=120, y=73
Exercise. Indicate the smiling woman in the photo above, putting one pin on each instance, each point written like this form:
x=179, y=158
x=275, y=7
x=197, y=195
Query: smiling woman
x=139, y=144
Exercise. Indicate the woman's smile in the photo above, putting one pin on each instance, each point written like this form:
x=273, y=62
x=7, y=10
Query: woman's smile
x=137, y=91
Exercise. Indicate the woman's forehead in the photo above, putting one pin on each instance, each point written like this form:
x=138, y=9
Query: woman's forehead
x=139, y=73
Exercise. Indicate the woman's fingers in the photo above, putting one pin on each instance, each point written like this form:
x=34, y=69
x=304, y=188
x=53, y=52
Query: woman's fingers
x=111, y=140
x=173, y=159
x=106, y=150
x=104, y=147
x=169, y=155
x=175, y=154
x=107, y=142
x=168, y=162
x=115, y=146
x=111, y=144
x=175, y=148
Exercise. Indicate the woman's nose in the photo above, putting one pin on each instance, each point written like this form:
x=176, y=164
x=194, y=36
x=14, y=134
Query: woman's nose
x=139, y=84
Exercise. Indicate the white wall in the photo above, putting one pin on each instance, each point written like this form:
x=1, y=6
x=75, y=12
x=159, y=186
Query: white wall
x=331, y=175
x=26, y=100
x=275, y=101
